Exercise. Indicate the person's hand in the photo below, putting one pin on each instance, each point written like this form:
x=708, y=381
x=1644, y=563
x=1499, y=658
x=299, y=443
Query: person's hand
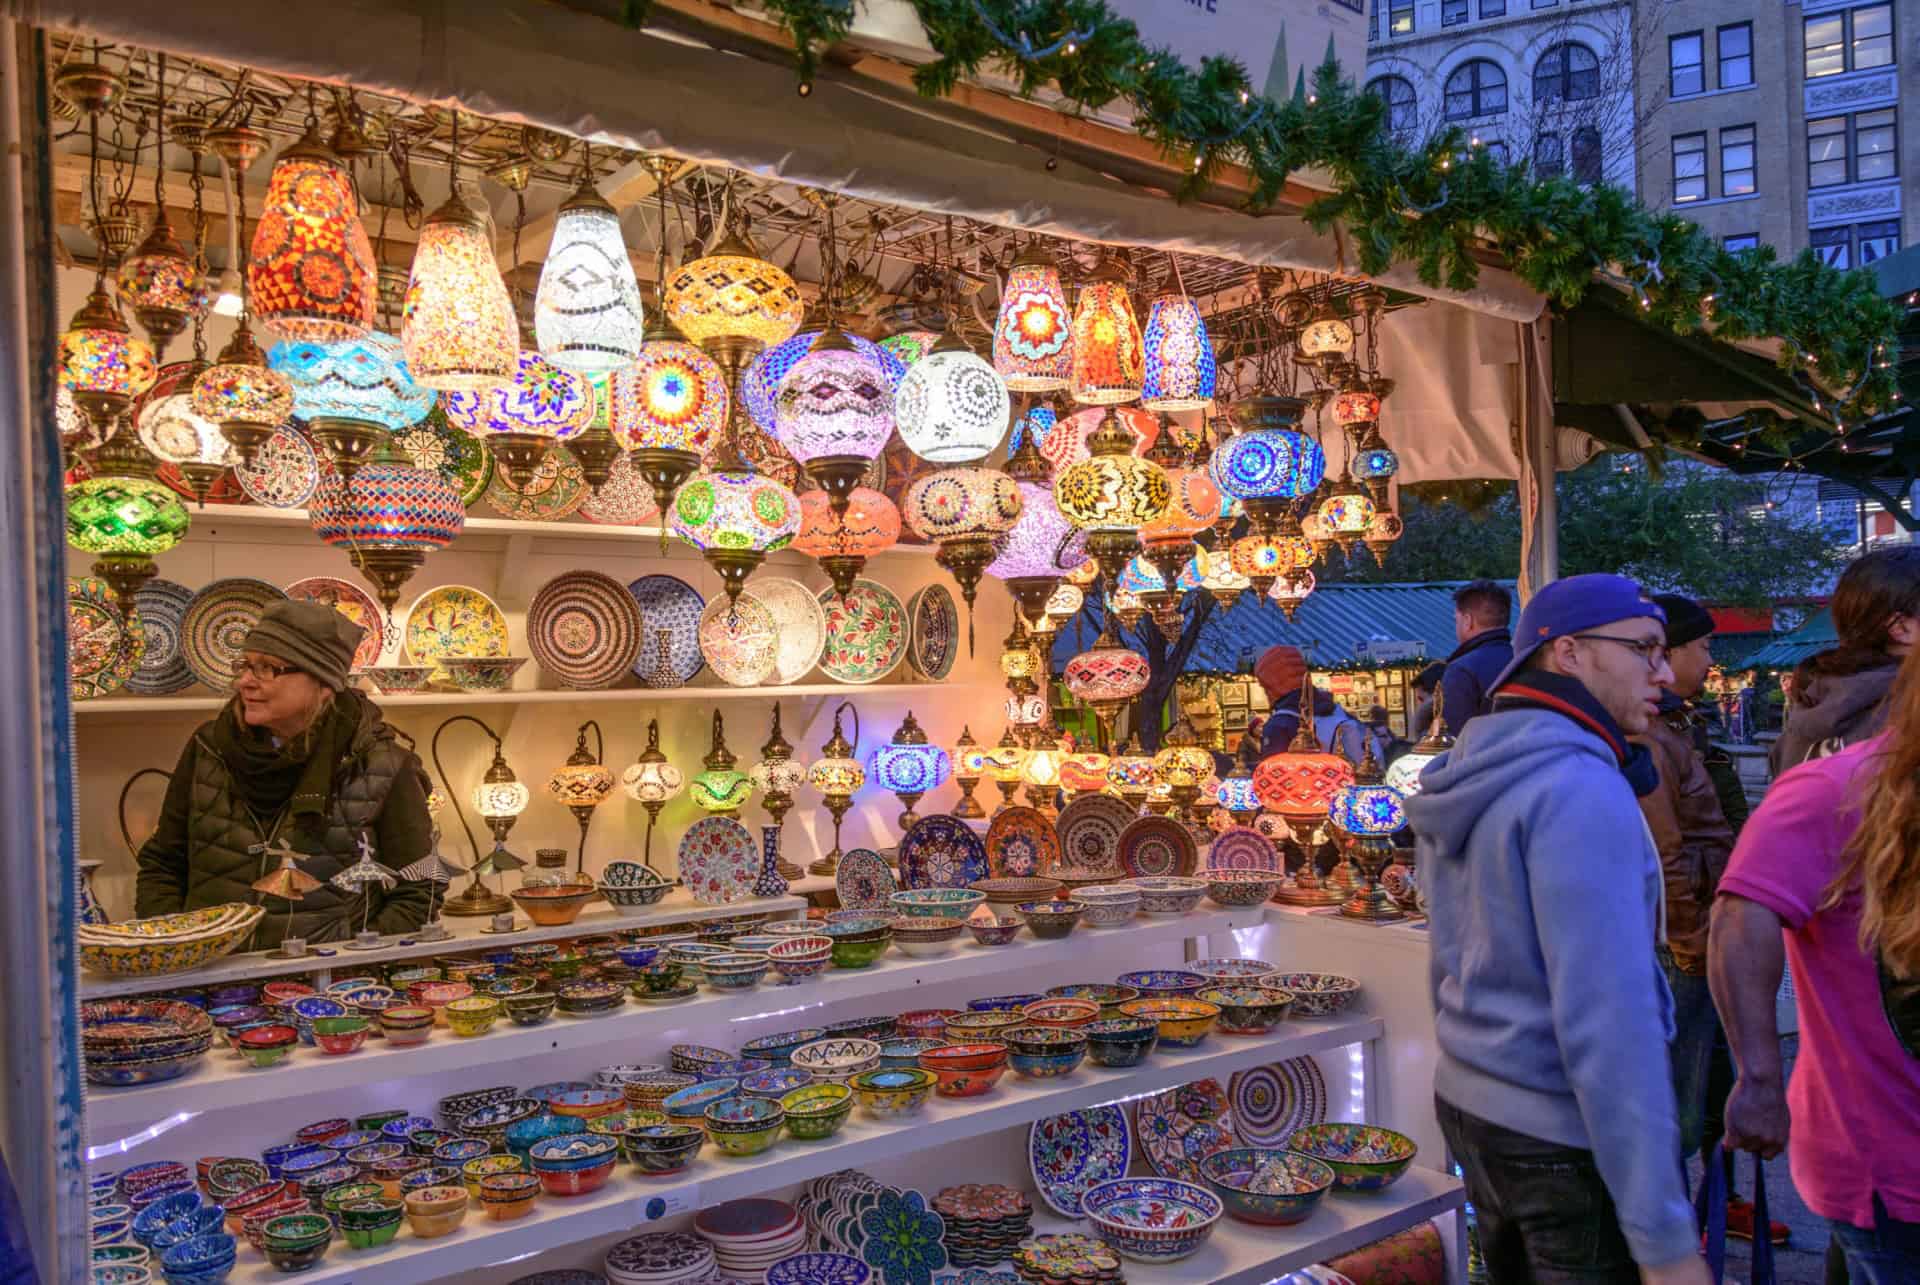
x=1756, y=1118
x=1691, y=1270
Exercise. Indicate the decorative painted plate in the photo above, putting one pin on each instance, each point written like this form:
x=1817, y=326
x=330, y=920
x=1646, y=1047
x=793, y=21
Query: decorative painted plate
x=1089, y=829
x=351, y=601
x=160, y=606
x=670, y=626
x=799, y=625
x=739, y=640
x=1154, y=845
x=660, y=1256
x=905, y=1241
x=1181, y=1127
x=625, y=500
x=557, y=489
x=1070, y=1154
x=1242, y=847
x=584, y=629
x=1270, y=1102
x=1021, y=844
x=283, y=473
x=719, y=861
x=455, y=455
x=218, y=621
x=454, y=620
x=936, y=632
x=103, y=646
x=941, y=852
x=866, y=633
x=864, y=882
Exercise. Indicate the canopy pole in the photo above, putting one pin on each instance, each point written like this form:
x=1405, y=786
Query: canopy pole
x=1535, y=443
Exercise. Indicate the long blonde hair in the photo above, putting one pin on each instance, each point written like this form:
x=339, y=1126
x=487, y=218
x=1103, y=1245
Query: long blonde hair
x=1882, y=860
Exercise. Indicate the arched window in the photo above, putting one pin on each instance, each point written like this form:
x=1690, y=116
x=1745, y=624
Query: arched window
x=1476, y=88
x=1586, y=155
x=1566, y=73
x=1403, y=108
x=1549, y=156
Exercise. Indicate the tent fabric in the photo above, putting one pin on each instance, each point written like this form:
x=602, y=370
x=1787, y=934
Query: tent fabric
x=1815, y=635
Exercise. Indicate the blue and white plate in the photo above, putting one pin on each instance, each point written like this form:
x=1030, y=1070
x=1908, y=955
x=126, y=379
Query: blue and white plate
x=864, y=882
x=941, y=852
x=1070, y=1154
x=161, y=606
x=669, y=606
x=935, y=622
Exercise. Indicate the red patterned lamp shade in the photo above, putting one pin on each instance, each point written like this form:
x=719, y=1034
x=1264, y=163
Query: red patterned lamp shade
x=388, y=517
x=842, y=542
x=1195, y=507
x=310, y=274
x=1107, y=672
x=1085, y=771
x=1301, y=786
x=1109, y=359
x=1031, y=339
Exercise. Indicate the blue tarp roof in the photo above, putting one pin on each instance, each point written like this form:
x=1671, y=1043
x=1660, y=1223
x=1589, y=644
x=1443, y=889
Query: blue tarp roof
x=1788, y=650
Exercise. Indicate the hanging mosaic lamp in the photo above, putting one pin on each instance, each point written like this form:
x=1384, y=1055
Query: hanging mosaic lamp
x=1111, y=495
x=521, y=419
x=842, y=542
x=1130, y=774
x=1106, y=677
x=1064, y=604
x=1026, y=709
x=1084, y=772
x=101, y=364
x=834, y=414
x=124, y=517
x=243, y=395
x=1180, y=364
x=760, y=386
x=387, y=517
x=1219, y=578
x=1070, y=442
x=1043, y=546
x=1347, y=511
x=1354, y=406
x=1194, y=507
x=964, y=511
x=1182, y=765
x=909, y=346
x=734, y=298
x=838, y=776
x=667, y=409
x=176, y=433
x=160, y=285
x=1262, y=556
x=1235, y=792
x=909, y=767
x=1403, y=774
x=586, y=309
x=1035, y=425
x=352, y=393
x=1269, y=463
x=458, y=326
x=1373, y=462
x=1109, y=365
x=1291, y=590
x=722, y=788
x=952, y=408
x=1381, y=534
x=1314, y=529
x=1326, y=336
x=1032, y=350
x=310, y=269
x=1299, y=785
x=735, y=518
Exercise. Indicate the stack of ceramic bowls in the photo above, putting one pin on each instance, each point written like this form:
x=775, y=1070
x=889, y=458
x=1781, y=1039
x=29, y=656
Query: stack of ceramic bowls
x=628, y=885
x=141, y=1041
x=660, y=1258
x=837, y=1060
x=749, y=1236
x=985, y=1223
x=926, y=936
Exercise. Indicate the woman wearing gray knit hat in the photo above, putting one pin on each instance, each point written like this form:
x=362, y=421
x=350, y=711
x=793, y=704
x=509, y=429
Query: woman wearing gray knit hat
x=296, y=760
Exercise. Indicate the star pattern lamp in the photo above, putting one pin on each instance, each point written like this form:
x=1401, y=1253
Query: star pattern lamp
x=778, y=776
x=1269, y=463
x=1182, y=765
x=1217, y=575
x=240, y=393
x=310, y=271
x=1180, y=366
x=1041, y=772
x=1032, y=348
x=667, y=409
x=1265, y=557
x=1235, y=792
x=586, y=310
x=582, y=784
x=842, y=542
x=388, y=517
x=499, y=798
x=735, y=298
x=352, y=393
x=908, y=767
x=1347, y=512
x=1106, y=677
x=175, y=433
x=952, y=407
x=521, y=418
x=722, y=788
x=458, y=325
x=735, y=517
x=1111, y=495
x=1381, y=534
x=651, y=782
x=160, y=284
x=838, y=776
x=1326, y=336
x=1109, y=365
x=963, y=511
x=834, y=414
x=1130, y=774
x=970, y=763
x=101, y=363
x=1366, y=814
x=1299, y=786
x=1005, y=764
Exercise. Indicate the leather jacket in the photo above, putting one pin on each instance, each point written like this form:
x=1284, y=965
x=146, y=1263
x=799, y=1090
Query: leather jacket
x=1689, y=828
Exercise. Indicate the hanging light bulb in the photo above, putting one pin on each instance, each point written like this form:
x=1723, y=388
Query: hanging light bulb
x=952, y=408
x=101, y=364
x=521, y=419
x=1032, y=351
x=458, y=326
x=1111, y=495
x=1108, y=361
x=586, y=310
x=245, y=397
x=176, y=433
x=1180, y=366
x=842, y=542
x=834, y=413
x=963, y=511
x=908, y=767
x=387, y=517
x=310, y=272
x=352, y=393
x=1269, y=463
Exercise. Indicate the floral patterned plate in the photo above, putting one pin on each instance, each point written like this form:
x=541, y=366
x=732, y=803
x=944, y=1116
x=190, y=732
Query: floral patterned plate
x=941, y=852
x=1154, y=845
x=453, y=620
x=866, y=633
x=352, y=602
x=671, y=607
x=1021, y=844
x=800, y=626
x=160, y=606
x=1181, y=1127
x=718, y=861
x=458, y=456
x=1089, y=830
x=103, y=646
x=584, y=629
x=739, y=640
x=284, y=472
x=1242, y=847
x=1069, y=1154
x=936, y=632
x=218, y=621
x=905, y=1241
x=557, y=489
x=864, y=882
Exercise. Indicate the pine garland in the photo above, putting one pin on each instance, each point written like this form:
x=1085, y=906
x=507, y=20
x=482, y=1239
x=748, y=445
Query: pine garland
x=1429, y=206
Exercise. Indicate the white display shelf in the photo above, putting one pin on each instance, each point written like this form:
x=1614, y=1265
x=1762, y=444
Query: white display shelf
x=624, y=1203
x=123, y=705
x=469, y=934
x=224, y=1080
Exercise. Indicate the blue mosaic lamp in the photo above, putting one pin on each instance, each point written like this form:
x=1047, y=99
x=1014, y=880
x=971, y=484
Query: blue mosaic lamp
x=1269, y=463
x=909, y=767
x=1365, y=814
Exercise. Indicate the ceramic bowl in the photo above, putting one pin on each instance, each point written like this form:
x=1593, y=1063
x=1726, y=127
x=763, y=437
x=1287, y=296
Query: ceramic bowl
x=1107, y=905
x=940, y=903
x=1011, y=891
x=744, y=1126
x=657, y=1149
x=923, y=1023
x=1273, y=1188
x=689, y=1106
x=1241, y=887
x=203, y=1260
x=632, y=874
x=371, y=1221
x=506, y=1196
x=859, y=951
x=153, y=1219
x=737, y=971
x=817, y=1111
x=905, y=1051
x=574, y=1166
x=647, y=1092
x=587, y=1103
x=1121, y=1041
x=778, y=1049
x=836, y=1059
x=775, y=1082
x=979, y=1028
x=530, y=1008
x=482, y=673
x=625, y=1122
x=877, y=1026
x=340, y=1197
x=586, y=998
x=295, y=1242
x=1164, y=983
x=1045, y=1052
x=1109, y=996
x=1247, y=1010
x=477, y=1170
x=1183, y=1022
x=1169, y=894
x=392, y=680
x=797, y=958
x=474, y=1015
x=1152, y=1220
x=617, y=1075
x=927, y=937
x=493, y=1122
x=696, y=1059
x=1061, y=1012
x=406, y=1024
x=1316, y=994
x=369, y=1154
x=892, y=1091
x=1363, y=1157
x=437, y=995
x=992, y=929
x=522, y=1134
x=1231, y=971
x=659, y=977
x=825, y=1268
x=965, y=1070
x=435, y=1211
x=554, y=904
x=451, y=1110
x=264, y=1046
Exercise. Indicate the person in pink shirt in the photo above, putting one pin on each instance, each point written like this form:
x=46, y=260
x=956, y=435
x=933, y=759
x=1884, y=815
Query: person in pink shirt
x=1826, y=875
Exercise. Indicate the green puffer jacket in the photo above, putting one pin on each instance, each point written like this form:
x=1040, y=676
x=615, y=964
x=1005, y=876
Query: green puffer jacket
x=199, y=853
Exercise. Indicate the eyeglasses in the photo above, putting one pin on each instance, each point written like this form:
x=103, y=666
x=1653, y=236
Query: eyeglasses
x=261, y=671
x=1654, y=653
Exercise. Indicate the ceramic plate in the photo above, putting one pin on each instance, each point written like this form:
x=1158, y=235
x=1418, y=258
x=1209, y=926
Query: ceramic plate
x=936, y=632
x=103, y=646
x=739, y=640
x=1152, y=845
x=1269, y=1102
x=1181, y=1127
x=217, y=622
x=352, y=602
x=454, y=454
x=671, y=607
x=1070, y=1154
x=557, y=489
x=941, y=852
x=625, y=500
x=864, y=882
x=284, y=473
x=584, y=629
x=1021, y=844
x=799, y=625
x=1243, y=848
x=454, y=620
x=718, y=861
x=866, y=633
x=1090, y=830
x=161, y=605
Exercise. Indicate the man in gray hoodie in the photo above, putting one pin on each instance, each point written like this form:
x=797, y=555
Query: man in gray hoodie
x=1546, y=901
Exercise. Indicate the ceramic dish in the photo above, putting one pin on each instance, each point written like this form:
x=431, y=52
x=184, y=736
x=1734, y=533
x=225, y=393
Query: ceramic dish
x=670, y=617
x=1070, y=1154
x=217, y=621
x=1120, y=1041
x=941, y=903
x=584, y=629
x=1107, y=905
x=990, y=929
x=1241, y=887
x=1316, y=994
x=1272, y=1188
x=1050, y=920
x=1169, y=894
x=1363, y=1157
x=453, y=620
x=1247, y=1010
x=867, y=634
x=1183, y=1022
x=1152, y=1220
x=942, y=852
x=965, y=1070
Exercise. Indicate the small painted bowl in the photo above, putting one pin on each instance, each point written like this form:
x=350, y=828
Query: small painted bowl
x=925, y=938
x=837, y=1059
x=1107, y=905
x=474, y=1015
x=798, y=959
x=1107, y=995
x=661, y=977
x=506, y=1196
x=647, y=1092
x=1044, y=1052
x=776, y=1082
x=736, y=971
x=1169, y=894
x=1241, y=887
x=1316, y=994
x=574, y=1166
x=778, y=1049
x=372, y=1221
x=1164, y=983
x=817, y=1111
x=392, y=680
x=1120, y=1041
x=877, y=1026
x=859, y=952
x=264, y=1046
x=937, y=903
x=482, y=673
x=625, y=1122
x=658, y=1149
x=1067, y=1014
x=695, y=1059
x=1050, y=920
x=406, y=1024
x=923, y=1023
x=435, y=1211
x=477, y=1170
x=1247, y=1010
x=1273, y=1188
x=294, y=1242
x=1152, y=1220
x=1230, y=971
x=1363, y=1157
x=965, y=1070
x=551, y=905
x=905, y=1052
x=1183, y=1022
x=530, y=1008
x=890, y=1091
x=689, y=1106
x=991, y=929
x=1003, y=1003
x=744, y=1126
x=587, y=1104
x=976, y=1028
x=204, y=1259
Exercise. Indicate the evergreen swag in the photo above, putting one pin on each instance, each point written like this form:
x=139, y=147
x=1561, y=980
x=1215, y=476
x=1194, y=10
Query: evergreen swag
x=1426, y=205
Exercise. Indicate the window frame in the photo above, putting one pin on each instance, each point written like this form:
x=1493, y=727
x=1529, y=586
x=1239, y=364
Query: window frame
x=1750, y=169
x=1752, y=239
x=1675, y=66
x=1555, y=165
x=1840, y=237
x=1721, y=57
x=1851, y=152
x=1455, y=12
x=1562, y=82
x=1493, y=9
x=1411, y=103
x=1476, y=92
x=1586, y=142
x=1397, y=10
x=1861, y=235
x=1844, y=134
x=1704, y=177
x=1848, y=44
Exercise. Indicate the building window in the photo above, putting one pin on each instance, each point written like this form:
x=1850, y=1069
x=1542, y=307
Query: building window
x=1851, y=149
x=1740, y=241
x=1852, y=40
x=1403, y=108
x=1400, y=17
x=1735, y=47
x=1497, y=150
x=1567, y=73
x=1857, y=245
x=1493, y=8
x=1586, y=155
x=1877, y=240
x=1549, y=156
x=1736, y=160
x=1686, y=64
x=1689, y=168
x=1476, y=88
x=1545, y=4
x=1453, y=12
